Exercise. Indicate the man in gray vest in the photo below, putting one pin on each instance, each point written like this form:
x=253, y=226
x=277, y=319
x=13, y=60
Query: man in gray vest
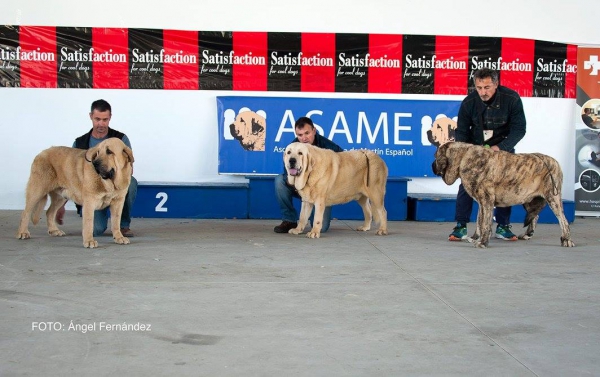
x=100, y=115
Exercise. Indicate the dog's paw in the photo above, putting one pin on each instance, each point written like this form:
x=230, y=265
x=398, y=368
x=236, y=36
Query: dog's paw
x=90, y=244
x=23, y=235
x=295, y=231
x=312, y=234
x=56, y=233
x=382, y=232
x=121, y=240
x=567, y=243
x=524, y=236
x=479, y=245
x=363, y=228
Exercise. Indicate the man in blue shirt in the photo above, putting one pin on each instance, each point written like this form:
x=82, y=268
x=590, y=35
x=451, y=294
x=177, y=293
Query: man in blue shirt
x=305, y=133
x=100, y=116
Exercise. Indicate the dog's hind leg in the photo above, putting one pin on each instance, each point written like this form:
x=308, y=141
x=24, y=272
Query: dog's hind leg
x=365, y=204
x=532, y=210
x=555, y=203
x=379, y=213
x=35, y=200
x=56, y=201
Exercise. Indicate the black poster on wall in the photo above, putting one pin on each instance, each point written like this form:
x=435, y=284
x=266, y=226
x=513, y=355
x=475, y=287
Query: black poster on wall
x=550, y=66
x=351, y=68
x=216, y=65
x=10, y=68
x=418, y=72
x=74, y=53
x=483, y=52
x=145, y=59
x=284, y=62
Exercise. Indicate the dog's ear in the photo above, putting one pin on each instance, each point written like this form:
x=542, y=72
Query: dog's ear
x=129, y=153
x=451, y=155
x=92, y=153
x=307, y=165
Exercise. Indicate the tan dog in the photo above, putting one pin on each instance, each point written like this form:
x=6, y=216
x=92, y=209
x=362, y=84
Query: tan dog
x=504, y=179
x=249, y=129
x=324, y=178
x=95, y=178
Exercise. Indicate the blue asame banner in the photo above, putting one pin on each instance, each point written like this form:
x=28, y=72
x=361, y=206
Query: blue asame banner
x=254, y=131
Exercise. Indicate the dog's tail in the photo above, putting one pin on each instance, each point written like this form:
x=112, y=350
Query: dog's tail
x=37, y=210
x=368, y=167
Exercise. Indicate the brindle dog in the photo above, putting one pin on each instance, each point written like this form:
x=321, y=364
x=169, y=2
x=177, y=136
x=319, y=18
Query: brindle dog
x=503, y=179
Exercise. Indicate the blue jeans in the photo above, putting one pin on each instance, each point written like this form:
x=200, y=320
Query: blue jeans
x=101, y=216
x=464, y=206
x=285, y=195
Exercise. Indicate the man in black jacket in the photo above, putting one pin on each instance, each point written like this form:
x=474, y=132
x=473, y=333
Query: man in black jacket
x=305, y=133
x=100, y=115
x=491, y=116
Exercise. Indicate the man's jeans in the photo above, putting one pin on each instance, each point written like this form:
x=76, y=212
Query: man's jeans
x=464, y=206
x=101, y=216
x=285, y=195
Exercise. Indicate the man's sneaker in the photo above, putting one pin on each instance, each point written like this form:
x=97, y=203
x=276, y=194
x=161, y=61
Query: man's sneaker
x=459, y=232
x=285, y=227
x=127, y=232
x=503, y=232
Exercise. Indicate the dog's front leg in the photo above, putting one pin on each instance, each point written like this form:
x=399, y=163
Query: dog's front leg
x=116, y=208
x=477, y=233
x=484, y=224
x=87, y=231
x=305, y=211
x=315, y=232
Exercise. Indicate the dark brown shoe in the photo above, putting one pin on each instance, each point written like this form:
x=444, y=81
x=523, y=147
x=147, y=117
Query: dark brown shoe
x=285, y=227
x=127, y=232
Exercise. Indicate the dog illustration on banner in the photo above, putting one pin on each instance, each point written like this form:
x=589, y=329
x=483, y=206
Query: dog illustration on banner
x=248, y=127
x=438, y=132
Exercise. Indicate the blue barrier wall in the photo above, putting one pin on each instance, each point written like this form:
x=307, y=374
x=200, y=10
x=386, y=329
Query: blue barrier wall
x=262, y=203
x=430, y=207
x=191, y=200
x=254, y=200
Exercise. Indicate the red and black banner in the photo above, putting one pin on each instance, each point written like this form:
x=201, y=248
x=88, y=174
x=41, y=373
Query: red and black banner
x=121, y=58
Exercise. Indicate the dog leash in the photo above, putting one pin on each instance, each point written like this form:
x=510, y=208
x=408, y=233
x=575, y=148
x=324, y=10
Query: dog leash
x=549, y=173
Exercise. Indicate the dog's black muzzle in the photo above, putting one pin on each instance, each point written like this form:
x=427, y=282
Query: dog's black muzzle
x=102, y=172
x=234, y=132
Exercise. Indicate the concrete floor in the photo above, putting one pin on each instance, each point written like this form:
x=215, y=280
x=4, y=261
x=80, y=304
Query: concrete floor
x=232, y=298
